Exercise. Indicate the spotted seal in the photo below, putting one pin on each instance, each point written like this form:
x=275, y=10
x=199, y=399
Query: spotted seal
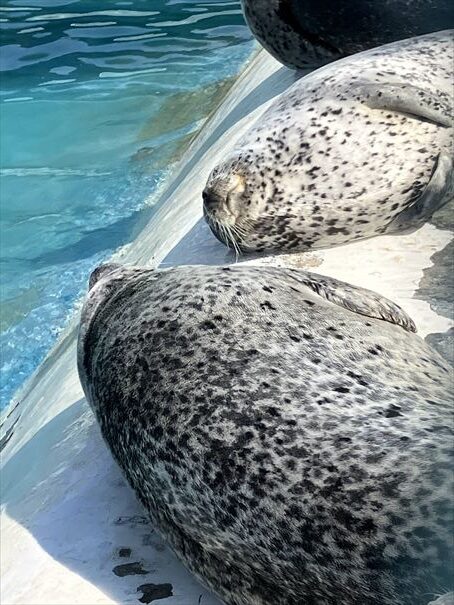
x=302, y=33
x=358, y=148
x=289, y=434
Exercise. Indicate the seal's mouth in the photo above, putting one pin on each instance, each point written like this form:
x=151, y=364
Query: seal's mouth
x=217, y=208
x=222, y=202
x=224, y=231
x=222, y=197
x=232, y=231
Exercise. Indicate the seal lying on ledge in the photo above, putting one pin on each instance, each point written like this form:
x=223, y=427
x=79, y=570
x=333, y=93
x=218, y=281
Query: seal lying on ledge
x=289, y=434
x=359, y=148
x=302, y=33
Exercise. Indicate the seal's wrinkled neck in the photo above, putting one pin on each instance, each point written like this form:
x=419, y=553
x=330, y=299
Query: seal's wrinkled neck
x=101, y=272
x=105, y=284
x=104, y=281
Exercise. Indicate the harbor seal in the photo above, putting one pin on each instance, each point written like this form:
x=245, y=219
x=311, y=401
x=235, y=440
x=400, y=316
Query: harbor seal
x=289, y=434
x=358, y=148
x=302, y=33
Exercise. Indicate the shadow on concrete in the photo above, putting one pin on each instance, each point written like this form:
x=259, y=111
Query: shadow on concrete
x=65, y=489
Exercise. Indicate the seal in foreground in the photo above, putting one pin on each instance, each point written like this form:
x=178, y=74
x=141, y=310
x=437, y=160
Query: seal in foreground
x=356, y=149
x=289, y=434
x=302, y=33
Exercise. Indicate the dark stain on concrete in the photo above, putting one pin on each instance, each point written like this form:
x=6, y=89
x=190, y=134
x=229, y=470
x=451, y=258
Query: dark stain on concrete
x=129, y=569
x=154, y=592
x=134, y=520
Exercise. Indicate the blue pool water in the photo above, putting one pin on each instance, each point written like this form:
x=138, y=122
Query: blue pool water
x=98, y=98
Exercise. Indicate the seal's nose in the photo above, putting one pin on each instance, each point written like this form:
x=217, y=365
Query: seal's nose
x=211, y=199
x=102, y=271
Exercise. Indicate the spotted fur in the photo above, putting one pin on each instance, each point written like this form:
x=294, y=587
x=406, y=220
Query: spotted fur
x=446, y=599
x=312, y=32
x=291, y=450
x=343, y=153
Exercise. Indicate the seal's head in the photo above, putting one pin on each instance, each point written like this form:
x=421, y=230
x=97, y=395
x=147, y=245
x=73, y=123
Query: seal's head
x=248, y=207
x=237, y=205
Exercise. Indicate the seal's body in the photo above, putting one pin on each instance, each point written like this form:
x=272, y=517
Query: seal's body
x=302, y=33
x=289, y=434
x=358, y=148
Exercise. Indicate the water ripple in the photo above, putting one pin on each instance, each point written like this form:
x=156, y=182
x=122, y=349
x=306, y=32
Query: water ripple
x=96, y=104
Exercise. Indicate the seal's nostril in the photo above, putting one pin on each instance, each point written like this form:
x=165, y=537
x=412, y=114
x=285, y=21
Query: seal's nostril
x=101, y=272
x=210, y=201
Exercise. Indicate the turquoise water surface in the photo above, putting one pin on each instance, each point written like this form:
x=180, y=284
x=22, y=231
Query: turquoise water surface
x=98, y=99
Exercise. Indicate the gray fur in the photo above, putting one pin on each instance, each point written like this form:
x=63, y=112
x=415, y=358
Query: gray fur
x=439, y=187
x=447, y=599
x=407, y=98
x=302, y=33
x=356, y=149
x=291, y=450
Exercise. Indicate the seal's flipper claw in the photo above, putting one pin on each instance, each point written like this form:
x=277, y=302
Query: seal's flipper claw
x=439, y=191
x=355, y=299
x=409, y=99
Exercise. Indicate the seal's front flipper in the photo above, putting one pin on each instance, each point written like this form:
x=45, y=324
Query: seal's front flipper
x=439, y=191
x=355, y=299
x=409, y=99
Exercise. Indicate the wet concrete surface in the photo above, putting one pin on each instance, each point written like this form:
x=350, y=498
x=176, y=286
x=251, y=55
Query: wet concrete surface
x=437, y=285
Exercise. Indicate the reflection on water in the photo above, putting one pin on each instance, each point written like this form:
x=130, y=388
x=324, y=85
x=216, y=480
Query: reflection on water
x=98, y=98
